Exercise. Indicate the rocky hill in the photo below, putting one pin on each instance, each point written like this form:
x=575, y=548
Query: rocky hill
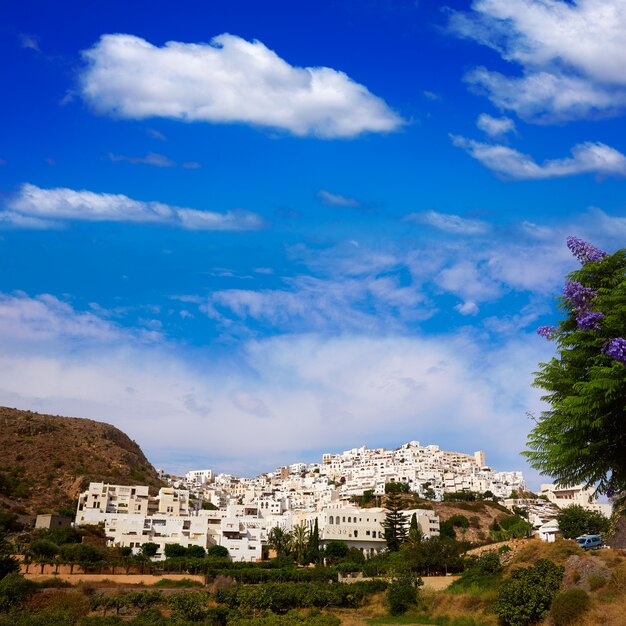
x=46, y=460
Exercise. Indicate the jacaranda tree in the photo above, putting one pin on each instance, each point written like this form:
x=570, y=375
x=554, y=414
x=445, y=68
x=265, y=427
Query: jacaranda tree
x=581, y=437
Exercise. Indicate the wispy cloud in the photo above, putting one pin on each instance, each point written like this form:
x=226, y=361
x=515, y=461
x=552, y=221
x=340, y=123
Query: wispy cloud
x=76, y=364
x=587, y=158
x=572, y=55
x=307, y=303
x=152, y=158
x=156, y=134
x=449, y=223
x=33, y=206
x=46, y=318
x=334, y=199
x=228, y=80
x=495, y=126
x=30, y=42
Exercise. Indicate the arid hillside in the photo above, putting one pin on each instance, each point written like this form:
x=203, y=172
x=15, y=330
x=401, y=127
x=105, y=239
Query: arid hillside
x=46, y=460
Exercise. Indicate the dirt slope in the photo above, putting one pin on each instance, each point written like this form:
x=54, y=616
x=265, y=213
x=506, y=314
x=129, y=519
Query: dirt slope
x=46, y=460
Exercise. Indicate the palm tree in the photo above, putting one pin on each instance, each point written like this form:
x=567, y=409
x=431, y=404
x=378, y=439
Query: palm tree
x=300, y=542
x=279, y=540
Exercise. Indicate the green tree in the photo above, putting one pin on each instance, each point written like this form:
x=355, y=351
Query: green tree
x=575, y=521
x=279, y=540
x=525, y=597
x=581, y=437
x=14, y=589
x=44, y=549
x=196, y=552
x=149, y=549
x=394, y=487
x=313, y=548
x=335, y=550
x=402, y=594
x=415, y=535
x=172, y=550
x=395, y=522
x=218, y=551
x=300, y=542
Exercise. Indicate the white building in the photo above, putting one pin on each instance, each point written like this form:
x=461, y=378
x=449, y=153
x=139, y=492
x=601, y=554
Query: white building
x=579, y=494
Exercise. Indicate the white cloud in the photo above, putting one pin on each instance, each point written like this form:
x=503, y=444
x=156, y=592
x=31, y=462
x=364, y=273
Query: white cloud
x=45, y=318
x=443, y=389
x=467, y=308
x=587, y=158
x=470, y=282
x=35, y=207
x=545, y=97
x=572, y=54
x=156, y=134
x=228, y=80
x=30, y=42
x=308, y=303
x=334, y=199
x=449, y=223
x=495, y=126
x=152, y=158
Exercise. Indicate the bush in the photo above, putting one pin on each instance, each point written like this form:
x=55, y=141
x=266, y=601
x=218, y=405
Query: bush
x=283, y=597
x=401, y=595
x=526, y=596
x=190, y=605
x=568, y=606
x=44, y=549
x=8, y=565
x=81, y=553
x=14, y=589
x=217, y=551
x=196, y=552
x=172, y=550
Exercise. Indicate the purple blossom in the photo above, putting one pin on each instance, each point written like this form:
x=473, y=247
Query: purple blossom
x=547, y=332
x=580, y=297
x=583, y=251
x=588, y=320
x=616, y=349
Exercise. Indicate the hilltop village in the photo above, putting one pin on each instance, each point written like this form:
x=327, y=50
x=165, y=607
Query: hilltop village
x=340, y=494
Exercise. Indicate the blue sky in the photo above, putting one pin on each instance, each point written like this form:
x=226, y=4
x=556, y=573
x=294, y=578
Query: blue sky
x=247, y=233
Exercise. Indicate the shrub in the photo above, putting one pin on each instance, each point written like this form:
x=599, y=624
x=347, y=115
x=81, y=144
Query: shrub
x=81, y=553
x=14, y=589
x=44, y=549
x=8, y=565
x=196, y=552
x=174, y=550
x=217, y=551
x=401, y=595
x=568, y=606
x=526, y=596
x=190, y=605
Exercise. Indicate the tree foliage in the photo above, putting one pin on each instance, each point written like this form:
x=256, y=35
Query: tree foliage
x=525, y=597
x=575, y=521
x=395, y=522
x=581, y=437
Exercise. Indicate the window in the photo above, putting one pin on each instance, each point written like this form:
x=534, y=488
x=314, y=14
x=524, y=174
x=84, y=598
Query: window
x=330, y=521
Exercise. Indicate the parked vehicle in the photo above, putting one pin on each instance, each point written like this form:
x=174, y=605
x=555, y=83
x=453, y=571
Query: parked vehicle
x=589, y=542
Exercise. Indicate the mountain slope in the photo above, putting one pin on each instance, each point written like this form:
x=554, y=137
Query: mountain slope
x=46, y=460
